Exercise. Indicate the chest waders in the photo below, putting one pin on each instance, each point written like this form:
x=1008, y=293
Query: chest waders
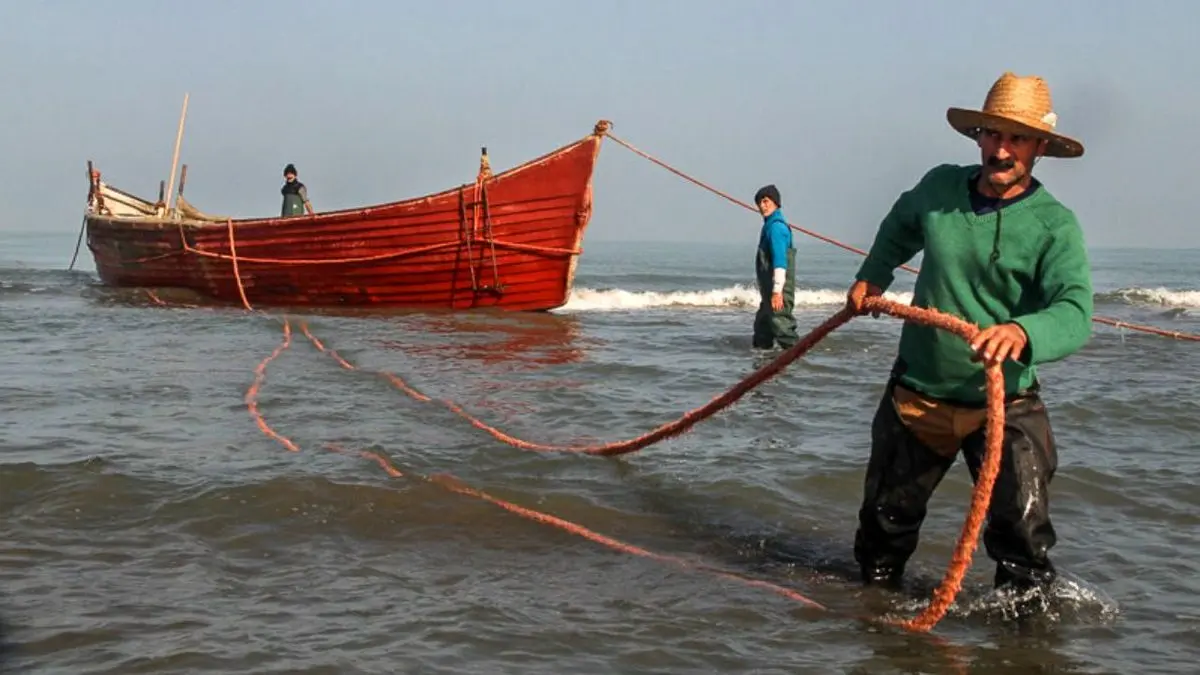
x=772, y=327
x=293, y=203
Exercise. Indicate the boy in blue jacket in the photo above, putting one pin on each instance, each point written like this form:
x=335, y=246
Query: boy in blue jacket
x=775, y=267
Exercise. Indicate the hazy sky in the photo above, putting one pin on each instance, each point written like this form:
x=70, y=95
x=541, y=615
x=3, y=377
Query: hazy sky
x=841, y=104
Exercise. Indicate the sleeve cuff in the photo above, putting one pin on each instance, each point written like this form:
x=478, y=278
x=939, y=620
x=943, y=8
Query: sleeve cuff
x=780, y=276
x=876, y=274
x=1025, y=358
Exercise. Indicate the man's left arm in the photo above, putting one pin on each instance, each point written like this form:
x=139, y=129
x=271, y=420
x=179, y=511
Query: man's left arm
x=778, y=238
x=304, y=198
x=1064, y=325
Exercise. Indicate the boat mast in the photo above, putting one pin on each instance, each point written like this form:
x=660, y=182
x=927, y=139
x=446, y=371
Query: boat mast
x=175, y=158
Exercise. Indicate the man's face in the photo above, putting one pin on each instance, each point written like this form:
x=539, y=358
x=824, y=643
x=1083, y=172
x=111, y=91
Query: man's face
x=1007, y=158
x=289, y=177
x=766, y=207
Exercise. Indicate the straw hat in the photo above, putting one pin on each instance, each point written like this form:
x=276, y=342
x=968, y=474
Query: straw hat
x=1018, y=105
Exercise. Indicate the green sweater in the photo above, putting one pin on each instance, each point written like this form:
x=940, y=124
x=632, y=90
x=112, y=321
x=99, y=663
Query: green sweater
x=1025, y=264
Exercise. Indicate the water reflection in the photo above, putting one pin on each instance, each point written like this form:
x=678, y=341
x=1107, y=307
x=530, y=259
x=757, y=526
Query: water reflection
x=515, y=340
x=525, y=341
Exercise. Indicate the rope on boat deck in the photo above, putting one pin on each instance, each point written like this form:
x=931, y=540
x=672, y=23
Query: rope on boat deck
x=1178, y=335
x=943, y=595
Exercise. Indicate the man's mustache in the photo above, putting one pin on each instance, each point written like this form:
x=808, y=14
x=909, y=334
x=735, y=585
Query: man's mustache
x=1002, y=164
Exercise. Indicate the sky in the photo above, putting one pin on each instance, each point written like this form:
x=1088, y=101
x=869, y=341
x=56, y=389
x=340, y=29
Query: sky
x=840, y=104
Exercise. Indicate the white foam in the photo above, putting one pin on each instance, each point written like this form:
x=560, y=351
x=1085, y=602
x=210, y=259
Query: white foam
x=1160, y=296
x=741, y=296
x=736, y=297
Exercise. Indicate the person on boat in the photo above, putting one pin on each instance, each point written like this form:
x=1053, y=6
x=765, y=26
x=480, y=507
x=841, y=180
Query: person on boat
x=775, y=268
x=1000, y=251
x=295, y=195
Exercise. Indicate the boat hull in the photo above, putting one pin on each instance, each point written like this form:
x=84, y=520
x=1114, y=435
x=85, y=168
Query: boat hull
x=509, y=241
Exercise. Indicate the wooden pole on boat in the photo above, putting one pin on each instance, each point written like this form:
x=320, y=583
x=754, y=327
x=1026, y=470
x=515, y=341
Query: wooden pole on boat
x=175, y=158
x=182, y=181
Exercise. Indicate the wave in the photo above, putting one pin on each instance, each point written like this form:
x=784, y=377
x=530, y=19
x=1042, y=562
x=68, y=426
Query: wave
x=1157, y=297
x=737, y=296
x=15, y=282
x=746, y=297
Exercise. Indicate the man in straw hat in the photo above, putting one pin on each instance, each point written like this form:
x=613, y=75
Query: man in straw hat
x=1001, y=252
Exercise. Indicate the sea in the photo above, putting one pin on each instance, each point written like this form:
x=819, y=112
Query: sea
x=149, y=524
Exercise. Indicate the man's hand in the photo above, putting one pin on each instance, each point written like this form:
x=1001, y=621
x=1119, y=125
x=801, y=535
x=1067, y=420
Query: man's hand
x=777, y=302
x=859, y=291
x=1002, y=341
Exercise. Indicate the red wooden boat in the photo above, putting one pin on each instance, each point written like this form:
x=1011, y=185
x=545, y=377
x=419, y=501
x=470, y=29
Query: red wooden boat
x=509, y=241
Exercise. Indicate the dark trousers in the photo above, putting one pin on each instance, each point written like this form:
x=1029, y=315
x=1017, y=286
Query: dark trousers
x=903, y=473
x=771, y=327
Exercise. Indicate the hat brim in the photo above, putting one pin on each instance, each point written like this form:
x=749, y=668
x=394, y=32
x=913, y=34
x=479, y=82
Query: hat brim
x=966, y=122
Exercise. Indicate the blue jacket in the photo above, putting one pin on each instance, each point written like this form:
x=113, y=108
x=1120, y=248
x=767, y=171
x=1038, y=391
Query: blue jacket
x=775, y=239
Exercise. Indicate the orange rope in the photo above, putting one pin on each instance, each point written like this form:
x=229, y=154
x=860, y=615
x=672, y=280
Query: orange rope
x=1098, y=319
x=1178, y=335
x=695, y=415
x=534, y=248
x=922, y=623
x=162, y=303
x=951, y=582
x=953, y=652
x=391, y=255
x=550, y=250
x=233, y=256
x=456, y=486
x=260, y=371
x=735, y=200
x=260, y=374
x=964, y=550
x=324, y=261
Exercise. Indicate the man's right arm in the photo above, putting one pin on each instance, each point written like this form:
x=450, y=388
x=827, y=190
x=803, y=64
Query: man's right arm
x=899, y=238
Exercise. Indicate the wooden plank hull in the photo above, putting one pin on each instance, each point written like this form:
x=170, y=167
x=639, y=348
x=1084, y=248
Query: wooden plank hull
x=510, y=242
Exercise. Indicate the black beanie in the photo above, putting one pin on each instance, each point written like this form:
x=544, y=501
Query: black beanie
x=768, y=191
x=290, y=168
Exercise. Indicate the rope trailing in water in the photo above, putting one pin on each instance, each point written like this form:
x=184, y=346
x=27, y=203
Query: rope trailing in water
x=951, y=583
x=981, y=497
x=954, y=653
x=1179, y=335
x=454, y=485
x=447, y=482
